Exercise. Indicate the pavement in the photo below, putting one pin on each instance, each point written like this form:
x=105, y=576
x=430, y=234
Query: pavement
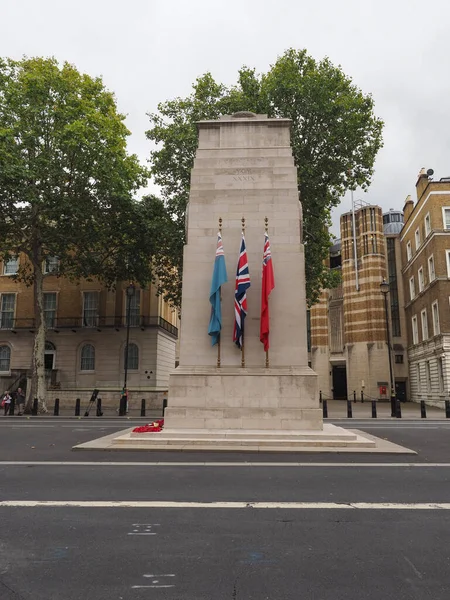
x=213, y=526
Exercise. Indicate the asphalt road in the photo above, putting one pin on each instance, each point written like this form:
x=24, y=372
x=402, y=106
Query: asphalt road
x=331, y=549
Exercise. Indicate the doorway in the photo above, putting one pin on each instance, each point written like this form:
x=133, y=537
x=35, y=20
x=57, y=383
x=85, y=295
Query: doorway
x=339, y=374
x=400, y=390
x=49, y=356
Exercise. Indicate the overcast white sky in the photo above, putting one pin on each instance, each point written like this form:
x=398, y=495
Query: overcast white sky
x=151, y=50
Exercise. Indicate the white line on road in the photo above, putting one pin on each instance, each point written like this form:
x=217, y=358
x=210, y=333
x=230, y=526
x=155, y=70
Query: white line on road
x=54, y=463
x=227, y=505
x=137, y=587
x=167, y=575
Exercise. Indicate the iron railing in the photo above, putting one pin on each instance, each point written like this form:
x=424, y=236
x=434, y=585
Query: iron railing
x=98, y=323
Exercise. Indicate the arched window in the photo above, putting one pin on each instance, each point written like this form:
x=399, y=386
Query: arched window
x=88, y=358
x=133, y=356
x=5, y=359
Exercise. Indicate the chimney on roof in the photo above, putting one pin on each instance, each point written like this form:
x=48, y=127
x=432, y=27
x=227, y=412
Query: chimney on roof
x=408, y=208
x=422, y=182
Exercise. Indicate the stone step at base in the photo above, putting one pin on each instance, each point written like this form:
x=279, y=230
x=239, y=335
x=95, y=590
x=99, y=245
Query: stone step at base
x=245, y=435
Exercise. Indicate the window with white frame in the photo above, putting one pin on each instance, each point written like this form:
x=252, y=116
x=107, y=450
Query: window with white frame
x=5, y=359
x=417, y=238
x=447, y=254
x=415, y=330
x=133, y=357
x=427, y=223
x=11, y=266
x=87, y=358
x=412, y=288
x=420, y=279
x=50, y=309
x=435, y=313
x=446, y=217
x=431, y=270
x=51, y=265
x=423, y=316
x=440, y=363
x=7, y=311
x=428, y=372
x=90, y=309
x=408, y=251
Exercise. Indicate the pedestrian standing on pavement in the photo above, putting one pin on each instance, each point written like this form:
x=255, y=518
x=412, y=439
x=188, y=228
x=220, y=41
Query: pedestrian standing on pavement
x=20, y=400
x=6, y=402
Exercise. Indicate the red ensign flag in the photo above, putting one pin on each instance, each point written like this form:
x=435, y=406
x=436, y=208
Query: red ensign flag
x=268, y=284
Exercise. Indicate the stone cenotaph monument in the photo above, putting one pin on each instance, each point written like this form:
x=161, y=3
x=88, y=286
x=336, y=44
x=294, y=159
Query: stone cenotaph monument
x=244, y=169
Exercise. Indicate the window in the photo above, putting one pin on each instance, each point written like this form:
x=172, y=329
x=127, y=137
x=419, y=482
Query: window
x=133, y=357
x=5, y=359
x=51, y=264
x=8, y=306
x=90, y=309
x=412, y=288
x=431, y=271
x=415, y=330
x=417, y=238
x=408, y=251
x=423, y=316
x=447, y=253
x=446, y=217
x=135, y=309
x=441, y=373
x=50, y=309
x=428, y=371
x=88, y=358
x=435, y=311
x=421, y=279
x=399, y=359
x=427, y=223
x=11, y=266
x=374, y=244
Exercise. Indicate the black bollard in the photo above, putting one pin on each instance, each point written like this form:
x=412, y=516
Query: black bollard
x=99, y=412
x=374, y=409
x=11, y=407
x=447, y=409
x=164, y=405
x=398, y=409
x=349, y=409
x=362, y=397
x=56, y=408
x=325, y=409
x=143, y=407
x=320, y=396
x=34, y=410
x=77, y=407
x=423, y=409
x=354, y=396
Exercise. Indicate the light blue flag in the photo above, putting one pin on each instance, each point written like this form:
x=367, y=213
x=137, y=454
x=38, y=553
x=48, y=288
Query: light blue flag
x=218, y=279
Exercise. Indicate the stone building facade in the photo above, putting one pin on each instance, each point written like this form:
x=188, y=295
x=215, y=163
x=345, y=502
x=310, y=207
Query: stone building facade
x=425, y=248
x=348, y=325
x=86, y=337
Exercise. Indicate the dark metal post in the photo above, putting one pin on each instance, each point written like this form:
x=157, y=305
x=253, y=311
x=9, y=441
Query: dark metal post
x=354, y=396
x=143, y=407
x=320, y=396
x=398, y=409
x=99, y=412
x=77, y=407
x=34, y=410
x=423, y=409
x=349, y=409
x=325, y=409
x=385, y=290
x=374, y=409
x=12, y=406
x=56, y=408
x=164, y=405
x=362, y=396
x=447, y=409
x=123, y=400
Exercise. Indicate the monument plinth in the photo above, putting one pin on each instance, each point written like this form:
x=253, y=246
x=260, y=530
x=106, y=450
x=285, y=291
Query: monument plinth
x=244, y=168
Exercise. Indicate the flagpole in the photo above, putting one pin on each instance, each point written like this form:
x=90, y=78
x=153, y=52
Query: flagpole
x=243, y=334
x=266, y=229
x=220, y=297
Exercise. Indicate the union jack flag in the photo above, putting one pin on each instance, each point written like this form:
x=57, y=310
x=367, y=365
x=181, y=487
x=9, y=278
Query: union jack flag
x=240, y=295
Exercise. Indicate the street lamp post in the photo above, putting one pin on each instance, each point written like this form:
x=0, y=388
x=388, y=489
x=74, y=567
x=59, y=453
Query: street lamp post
x=130, y=290
x=384, y=287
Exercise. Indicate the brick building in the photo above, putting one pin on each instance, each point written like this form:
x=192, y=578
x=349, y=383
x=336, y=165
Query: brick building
x=348, y=346
x=425, y=248
x=86, y=337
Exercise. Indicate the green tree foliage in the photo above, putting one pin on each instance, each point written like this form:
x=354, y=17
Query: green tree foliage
x=66, y=184
x=335, y=139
